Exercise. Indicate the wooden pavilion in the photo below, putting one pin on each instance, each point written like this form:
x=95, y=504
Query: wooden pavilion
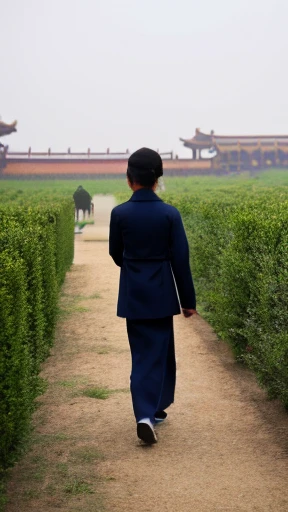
x=236, y=153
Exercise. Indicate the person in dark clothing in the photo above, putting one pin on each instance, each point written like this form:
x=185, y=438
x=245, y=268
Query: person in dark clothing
x=82, y=200
x=148, y=242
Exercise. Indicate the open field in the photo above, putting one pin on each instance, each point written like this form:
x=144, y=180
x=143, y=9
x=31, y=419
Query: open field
x=19, y=190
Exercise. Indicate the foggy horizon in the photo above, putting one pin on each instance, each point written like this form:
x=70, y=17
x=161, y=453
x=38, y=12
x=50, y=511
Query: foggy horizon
x=122, y=75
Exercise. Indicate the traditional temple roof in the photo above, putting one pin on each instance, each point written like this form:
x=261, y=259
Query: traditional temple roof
x=234, y=143
x=200, y=140
x=6, y=129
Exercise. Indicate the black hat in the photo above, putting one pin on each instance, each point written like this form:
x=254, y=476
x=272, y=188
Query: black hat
x=146, y=159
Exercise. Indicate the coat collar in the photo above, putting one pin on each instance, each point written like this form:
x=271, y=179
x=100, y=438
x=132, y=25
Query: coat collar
x=145, y=194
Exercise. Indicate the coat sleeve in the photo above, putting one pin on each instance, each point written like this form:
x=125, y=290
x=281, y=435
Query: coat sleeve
x=180, y=264
x=116, y=246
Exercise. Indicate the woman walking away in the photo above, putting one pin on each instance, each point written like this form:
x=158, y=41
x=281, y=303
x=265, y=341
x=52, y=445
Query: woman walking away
x=148, y=242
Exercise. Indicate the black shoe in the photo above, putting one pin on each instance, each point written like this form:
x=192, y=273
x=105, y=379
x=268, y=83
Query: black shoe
x=160, y=416
x=146, y=433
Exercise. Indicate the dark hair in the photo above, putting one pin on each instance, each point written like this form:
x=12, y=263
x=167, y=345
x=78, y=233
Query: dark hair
x=144, y=177
x=144, y=167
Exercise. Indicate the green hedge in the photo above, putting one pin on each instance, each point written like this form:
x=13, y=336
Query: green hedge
x=239, y=257
x=36, y=249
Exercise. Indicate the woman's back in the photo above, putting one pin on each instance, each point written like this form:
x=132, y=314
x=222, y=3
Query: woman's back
x=146, y=223
x=148, y=242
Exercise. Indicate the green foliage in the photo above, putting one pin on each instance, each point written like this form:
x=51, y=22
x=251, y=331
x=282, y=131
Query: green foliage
x=45, y=191
x=99, y=393
x=36, y=250
x=19, y=191
x=83, y=223
x=239, y=248
x=78, y=486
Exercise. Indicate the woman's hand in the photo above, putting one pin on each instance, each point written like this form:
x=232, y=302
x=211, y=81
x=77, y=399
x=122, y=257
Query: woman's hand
x=189, y=312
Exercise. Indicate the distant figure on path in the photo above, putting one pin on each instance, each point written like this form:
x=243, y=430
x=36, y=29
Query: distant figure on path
x=82, y=200
x=148, y=241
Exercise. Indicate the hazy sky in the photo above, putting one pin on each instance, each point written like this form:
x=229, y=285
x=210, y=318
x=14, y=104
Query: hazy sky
x=128, y=73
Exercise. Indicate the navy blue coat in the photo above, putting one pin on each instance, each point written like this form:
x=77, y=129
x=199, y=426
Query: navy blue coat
x=148, y=241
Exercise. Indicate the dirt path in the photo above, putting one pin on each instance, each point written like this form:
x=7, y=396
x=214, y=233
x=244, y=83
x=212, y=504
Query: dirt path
x=223, y=447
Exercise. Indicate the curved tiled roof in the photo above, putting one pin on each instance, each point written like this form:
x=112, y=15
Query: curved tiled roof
x=6, y=129
x=229, y=142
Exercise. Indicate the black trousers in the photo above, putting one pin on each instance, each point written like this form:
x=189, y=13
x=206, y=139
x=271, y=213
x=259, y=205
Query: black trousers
x=153, y=375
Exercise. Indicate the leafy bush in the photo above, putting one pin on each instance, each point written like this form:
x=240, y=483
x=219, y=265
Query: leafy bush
x=239, y=257
x=36, y=250
x=16, y=383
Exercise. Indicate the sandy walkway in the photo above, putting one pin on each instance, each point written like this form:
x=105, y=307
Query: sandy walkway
x=223, y=447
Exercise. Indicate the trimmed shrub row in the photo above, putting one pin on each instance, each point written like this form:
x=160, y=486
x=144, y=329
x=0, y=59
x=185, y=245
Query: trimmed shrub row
x=36, y=250
x=239, y=257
